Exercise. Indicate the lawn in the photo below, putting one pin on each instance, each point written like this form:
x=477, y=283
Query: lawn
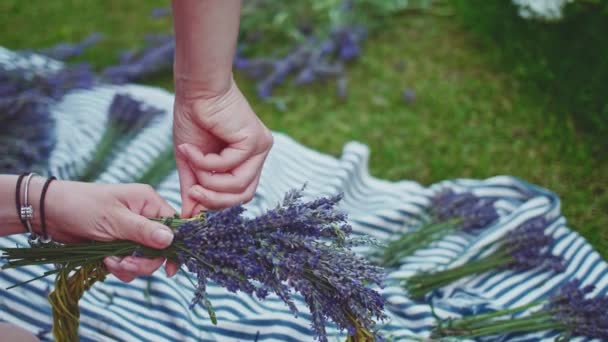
x=470, y=118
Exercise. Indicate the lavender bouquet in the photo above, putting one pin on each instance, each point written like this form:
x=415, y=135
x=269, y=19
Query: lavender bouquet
x=297, y=247
x=126, y=115
x=567, y=311
x=449, y=212
x=523, y=248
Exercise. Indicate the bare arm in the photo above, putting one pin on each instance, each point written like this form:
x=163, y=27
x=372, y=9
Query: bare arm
x=206, y=32
x=220, y=143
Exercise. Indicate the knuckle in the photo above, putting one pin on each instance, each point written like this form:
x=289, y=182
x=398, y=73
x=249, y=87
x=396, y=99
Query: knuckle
x=147, y=189
x=267, y=140
x=140, y=227
x=241, y=184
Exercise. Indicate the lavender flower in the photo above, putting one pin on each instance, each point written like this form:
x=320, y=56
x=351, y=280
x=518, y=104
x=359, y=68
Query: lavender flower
x=126, y=113
x=528, y=247
x=126, y=116
x=582, y=316
x=409, y=96
x=449, y=211
x=152, y=60
x=71, y=77
x=524, y=248
x=567, y=311
x=160, y=12
x=298, y=246
x=64, y=51
x=26, y=134
x=471, y=211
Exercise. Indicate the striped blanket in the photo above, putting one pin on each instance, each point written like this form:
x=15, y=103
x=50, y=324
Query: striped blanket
x=156, y=308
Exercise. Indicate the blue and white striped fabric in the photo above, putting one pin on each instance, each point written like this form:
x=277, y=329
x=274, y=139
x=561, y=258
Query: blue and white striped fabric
x=156, y=308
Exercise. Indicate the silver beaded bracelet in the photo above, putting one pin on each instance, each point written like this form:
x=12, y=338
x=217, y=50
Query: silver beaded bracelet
x=27, y=211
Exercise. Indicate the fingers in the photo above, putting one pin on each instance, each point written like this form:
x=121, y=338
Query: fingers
x=142, y=230
x=228, y=159
x=154, y=206
x=128, y=268
x=218, y=200
x=236, y=181
x=171, y=268
x=186, y=180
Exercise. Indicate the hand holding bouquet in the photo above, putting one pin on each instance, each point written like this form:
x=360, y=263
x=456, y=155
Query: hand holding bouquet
x=297, y=247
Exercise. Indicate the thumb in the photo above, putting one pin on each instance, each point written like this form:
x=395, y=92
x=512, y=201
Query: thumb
x=137, y=228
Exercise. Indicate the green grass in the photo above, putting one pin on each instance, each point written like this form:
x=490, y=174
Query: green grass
x=470, y=118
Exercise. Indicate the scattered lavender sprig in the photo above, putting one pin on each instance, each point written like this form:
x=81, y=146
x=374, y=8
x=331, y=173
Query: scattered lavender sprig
x=156, y=57
x=311, y=60
x=449, y=211
x=26, y=134
x=568, y=311
x=63, y=51
x=524, y=248
x=126, y=116
x=297, y=247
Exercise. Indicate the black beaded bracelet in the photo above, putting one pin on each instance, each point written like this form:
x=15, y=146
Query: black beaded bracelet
x=45, y=237
x=18, y=198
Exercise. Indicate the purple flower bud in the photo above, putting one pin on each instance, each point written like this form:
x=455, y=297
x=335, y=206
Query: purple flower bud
x=264, y=90
x=160, y=12
x=64, y=51
x=409, y=96
x=529, y=247
x=126, y=113
x=149, y=61
x=473, y=212
x=582, y=316
x=306, y=76
x=296, y=247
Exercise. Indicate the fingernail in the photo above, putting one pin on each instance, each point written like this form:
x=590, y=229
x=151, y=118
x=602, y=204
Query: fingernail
x=128, y=266
x=162, y=237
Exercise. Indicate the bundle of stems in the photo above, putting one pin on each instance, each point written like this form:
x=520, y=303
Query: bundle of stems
x=449, y=212
x=568, y=311
x=526, y=247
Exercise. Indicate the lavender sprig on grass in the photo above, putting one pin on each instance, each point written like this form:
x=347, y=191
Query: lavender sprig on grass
x=63, y=51
x=298, y=247
x=568, y=311
x=524, y=248
x=126, y=116
x=450, y=211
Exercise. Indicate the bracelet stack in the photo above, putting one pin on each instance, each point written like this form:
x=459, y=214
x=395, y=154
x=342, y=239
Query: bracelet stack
x=25, y=211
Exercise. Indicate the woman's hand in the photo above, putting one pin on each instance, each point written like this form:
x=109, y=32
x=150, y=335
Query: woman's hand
x=77, y=212
x=221, y=146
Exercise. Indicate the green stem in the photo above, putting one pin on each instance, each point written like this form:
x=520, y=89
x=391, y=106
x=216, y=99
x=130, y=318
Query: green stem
x=499, y=313
x=159, y=169
x=95, y=167
x=515, y=326
x=420, y=284
x=408, y=243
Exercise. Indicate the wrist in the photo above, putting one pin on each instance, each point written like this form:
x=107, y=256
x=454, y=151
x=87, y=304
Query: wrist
x=188, y=88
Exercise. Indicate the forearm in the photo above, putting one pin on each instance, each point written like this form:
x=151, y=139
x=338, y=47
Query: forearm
x=9, y=219
x=206, y=32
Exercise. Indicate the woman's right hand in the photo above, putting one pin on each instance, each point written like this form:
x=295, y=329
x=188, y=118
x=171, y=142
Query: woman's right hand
x=78, y=212
x=221, y=146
